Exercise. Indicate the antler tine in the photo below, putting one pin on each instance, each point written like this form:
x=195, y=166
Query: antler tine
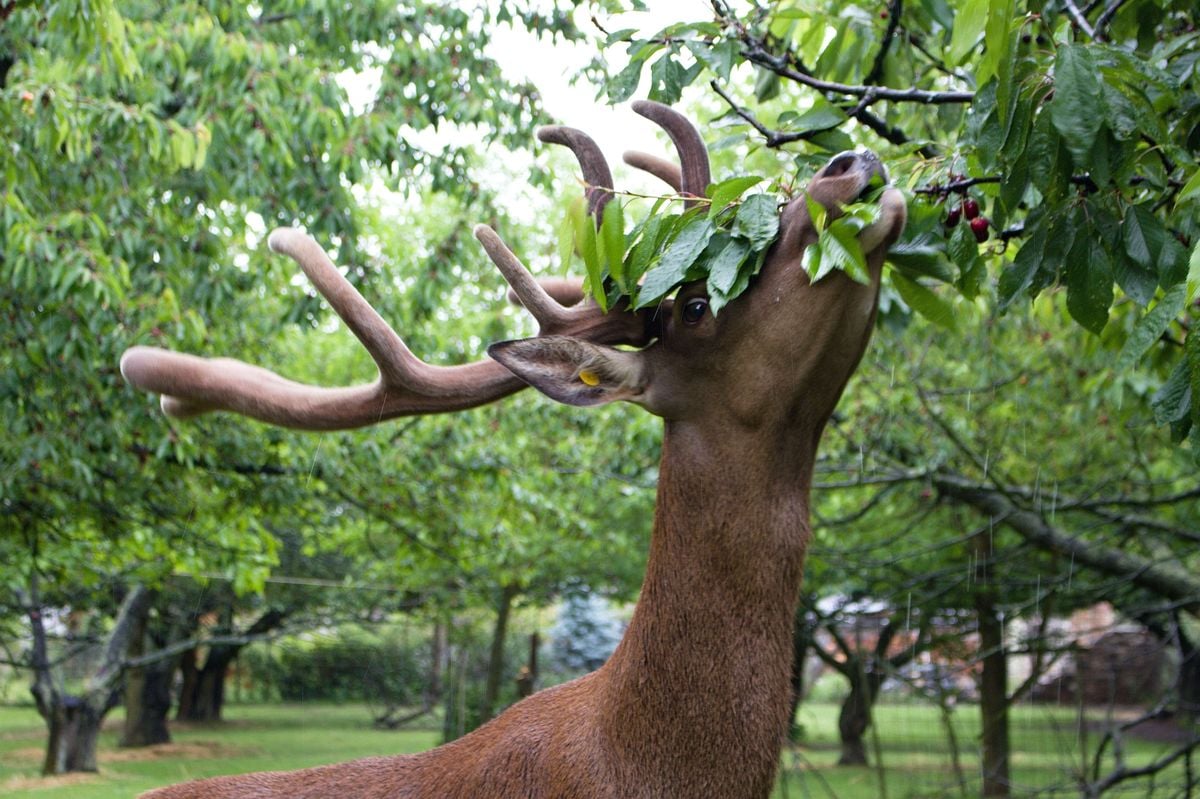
x=693, y=155
x=592, y=163
x=548, y=311
x=407, y=386
x=396, y=362
x=661, y=168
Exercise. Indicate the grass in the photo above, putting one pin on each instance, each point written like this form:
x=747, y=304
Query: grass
x=254, y=738
x=1048, y=748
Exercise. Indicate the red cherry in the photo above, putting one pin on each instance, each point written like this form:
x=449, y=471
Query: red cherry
x=952, y=216
x=970, y=208
x=979, y=226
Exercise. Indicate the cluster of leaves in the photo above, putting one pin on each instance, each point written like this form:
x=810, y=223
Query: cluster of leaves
x=723, y=239
x=1076, y=130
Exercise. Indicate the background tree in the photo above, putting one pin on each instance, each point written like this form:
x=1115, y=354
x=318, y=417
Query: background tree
x=148, y=148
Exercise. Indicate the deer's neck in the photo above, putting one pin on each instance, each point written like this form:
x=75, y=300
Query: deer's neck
x=700, y=683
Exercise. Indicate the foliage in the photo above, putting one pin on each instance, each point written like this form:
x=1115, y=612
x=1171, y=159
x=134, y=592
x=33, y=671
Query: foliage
x=722, y=241
x=148, y=148
x=586, y=632
x=1071, y=137
x=346, y=665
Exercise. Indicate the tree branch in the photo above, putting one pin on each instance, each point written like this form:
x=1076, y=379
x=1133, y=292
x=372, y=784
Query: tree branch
x=1161, y=579
x=1107, y=16
x=1079, y=19
x=757, y=54
x=773, y=138
x=895, y=8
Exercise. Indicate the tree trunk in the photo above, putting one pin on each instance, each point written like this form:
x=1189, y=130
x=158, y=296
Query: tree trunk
x=495, y=672
x=74, y=729
x=438, y=661
x=528, y=676
x=1188, y=681
x=147, y=725
x=187, y=691
x=852, y=723
x=208, y=691
x=855, y=717
x=993, y=697
x=203, y=695
x=73, y=722
x=147, y=695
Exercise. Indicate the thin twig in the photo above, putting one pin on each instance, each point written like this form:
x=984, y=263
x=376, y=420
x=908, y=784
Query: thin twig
x=1079, y=19
x=773, y=138
x=1107, y=17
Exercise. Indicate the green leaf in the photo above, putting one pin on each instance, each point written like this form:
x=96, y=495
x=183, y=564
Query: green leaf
x=1193, y=278
x=1019, y=276
x=1173, y=400
x=997, y=52
x=723, y=269
x=757, y=220
x=1077, y=107
x=647, y=246
x=822, y=116
x=1089, y=283
x=766, y=85
x=725, y=192
x=588, y=246
x=1191, y=353
x=1137, y=281
x=963, y=248
x=1142, y=234
x=612, y=233
x=719, y=58
x=566, y=232
x=924, y=301
x=853, y=260
x=667, y=79
x=625, y=83
x=970, y=20
x=920, y=258
x=1190, y=189
x=813, y=262
x=1150, y=327
x=680, y=254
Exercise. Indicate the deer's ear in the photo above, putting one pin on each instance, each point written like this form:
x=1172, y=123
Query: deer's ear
x=574, y=371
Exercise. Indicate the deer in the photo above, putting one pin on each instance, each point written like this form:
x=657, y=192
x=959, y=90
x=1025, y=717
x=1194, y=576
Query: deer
x=694, y=700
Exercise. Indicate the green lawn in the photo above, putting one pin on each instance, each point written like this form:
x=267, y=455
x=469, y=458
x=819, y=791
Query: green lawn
x=1046, y=742
x=255, y=738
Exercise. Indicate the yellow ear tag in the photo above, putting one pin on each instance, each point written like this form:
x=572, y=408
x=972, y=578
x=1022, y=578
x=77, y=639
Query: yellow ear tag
x=589, y=377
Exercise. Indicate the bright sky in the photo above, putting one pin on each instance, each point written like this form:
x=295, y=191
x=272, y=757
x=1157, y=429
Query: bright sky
x=549, y=66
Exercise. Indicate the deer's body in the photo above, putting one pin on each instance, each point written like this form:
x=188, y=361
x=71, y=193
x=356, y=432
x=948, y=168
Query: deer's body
x=694, y=701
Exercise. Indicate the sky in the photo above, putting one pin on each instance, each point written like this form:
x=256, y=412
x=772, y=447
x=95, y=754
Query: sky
x=549, y=66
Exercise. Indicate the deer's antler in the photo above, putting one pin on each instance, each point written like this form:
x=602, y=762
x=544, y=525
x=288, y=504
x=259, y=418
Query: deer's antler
x=692, y=175
x=406, y=385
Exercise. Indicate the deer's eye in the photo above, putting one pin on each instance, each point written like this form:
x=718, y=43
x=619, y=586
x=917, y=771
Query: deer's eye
x=694, y=310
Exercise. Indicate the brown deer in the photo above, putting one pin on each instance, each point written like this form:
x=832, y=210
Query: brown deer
x=694, y=701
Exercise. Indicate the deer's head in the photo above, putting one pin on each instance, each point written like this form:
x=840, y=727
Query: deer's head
x=779, y=354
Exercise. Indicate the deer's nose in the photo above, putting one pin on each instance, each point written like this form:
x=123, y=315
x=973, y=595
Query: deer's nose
x=864, y=161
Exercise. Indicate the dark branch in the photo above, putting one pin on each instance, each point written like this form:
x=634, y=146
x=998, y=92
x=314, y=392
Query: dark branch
x=757, y=54
x=895, y=8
